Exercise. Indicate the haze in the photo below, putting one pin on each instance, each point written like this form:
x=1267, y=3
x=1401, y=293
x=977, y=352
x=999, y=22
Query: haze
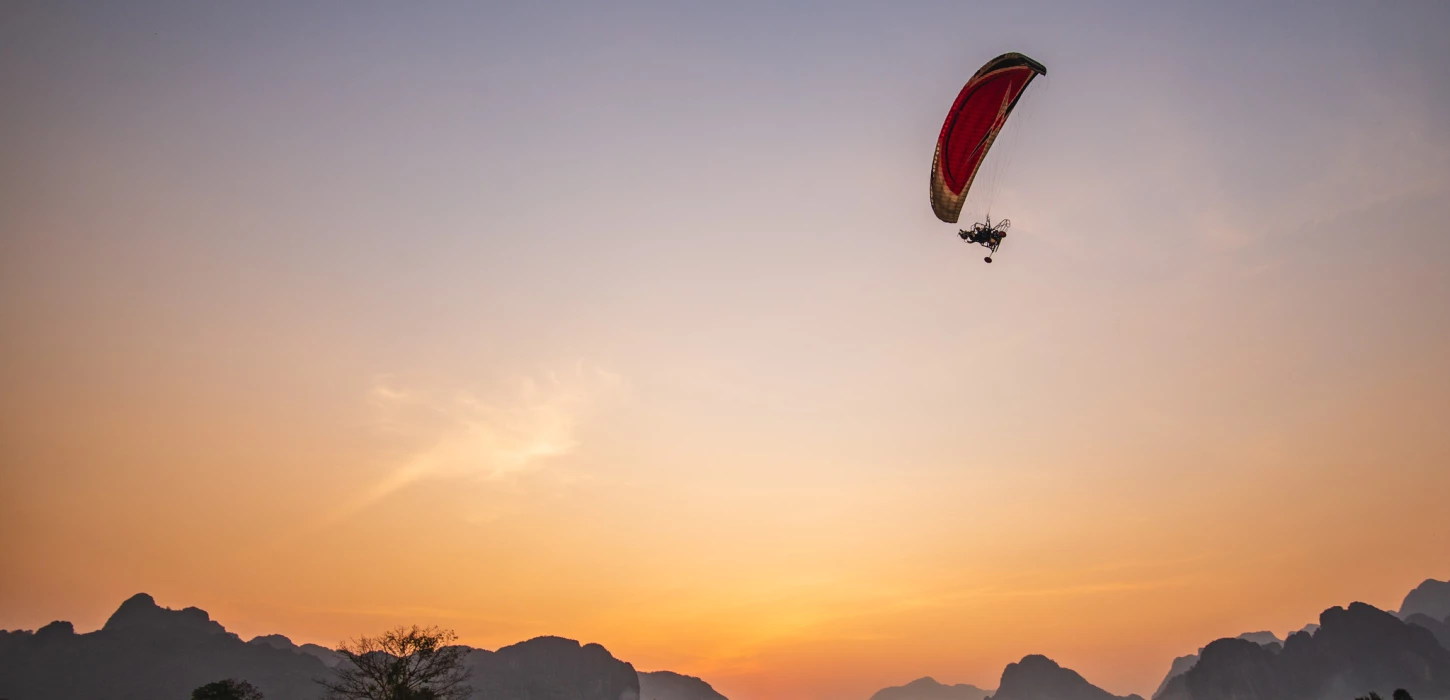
x=632, y=324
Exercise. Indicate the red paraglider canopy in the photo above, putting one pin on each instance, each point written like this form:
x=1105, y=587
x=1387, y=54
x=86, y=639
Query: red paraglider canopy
x=972, y=124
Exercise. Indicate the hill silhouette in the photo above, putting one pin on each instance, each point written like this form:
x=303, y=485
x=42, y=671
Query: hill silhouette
x=668, y=685
x=328, y=657
x=929, y=689
x=1037, y=677
x=1431, y=598
x=551, y=668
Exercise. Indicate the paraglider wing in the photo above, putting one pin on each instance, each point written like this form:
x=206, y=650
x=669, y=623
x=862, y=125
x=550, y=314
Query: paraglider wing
x=972, y=124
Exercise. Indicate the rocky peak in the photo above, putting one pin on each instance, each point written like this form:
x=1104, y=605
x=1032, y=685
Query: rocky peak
x=1037, y=677
x=1430, y=598
x=140, y=612
x=1180, y=665
x=1364, y=631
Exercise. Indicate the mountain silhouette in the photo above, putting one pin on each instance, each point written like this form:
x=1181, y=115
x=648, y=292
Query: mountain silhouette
x=1183, y=663
x=668, y=685
x=140, y=612
x=1431, y=598
x=147, y=652
x=1355, y=651
x=551, y=668
x=928, y=689
x=1037, y=677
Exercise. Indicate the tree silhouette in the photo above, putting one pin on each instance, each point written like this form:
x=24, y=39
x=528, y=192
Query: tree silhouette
x=407, y=663
x=1400, y=694
x=229, y=689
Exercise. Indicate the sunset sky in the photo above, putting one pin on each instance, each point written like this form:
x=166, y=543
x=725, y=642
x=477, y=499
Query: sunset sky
x=631, y=323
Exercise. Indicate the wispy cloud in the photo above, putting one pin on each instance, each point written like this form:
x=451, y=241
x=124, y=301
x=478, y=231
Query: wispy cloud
x=463, y=434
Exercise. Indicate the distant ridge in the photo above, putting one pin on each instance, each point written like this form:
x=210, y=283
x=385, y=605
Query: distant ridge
x=668, y=685
x=928, y=688
x=328, y=657
x=551, y=668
